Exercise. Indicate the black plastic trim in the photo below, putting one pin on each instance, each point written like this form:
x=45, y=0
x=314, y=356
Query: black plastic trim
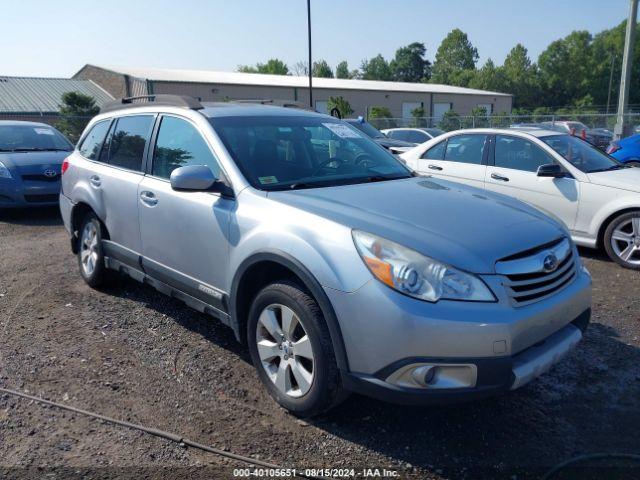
x=186, y=284
x=310, y=283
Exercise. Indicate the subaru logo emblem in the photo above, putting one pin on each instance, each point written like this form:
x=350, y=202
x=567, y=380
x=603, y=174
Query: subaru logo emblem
x=550, y=263
x=50, y=173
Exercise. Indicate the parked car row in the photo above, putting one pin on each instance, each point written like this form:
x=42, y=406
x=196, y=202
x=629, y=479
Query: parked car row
x=341, y=268
x=598, y=137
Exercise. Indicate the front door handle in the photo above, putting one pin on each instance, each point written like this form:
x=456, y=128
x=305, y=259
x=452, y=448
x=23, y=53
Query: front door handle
x=95, y=180
x=148, y=198
x=435, y=167
x=495, y=176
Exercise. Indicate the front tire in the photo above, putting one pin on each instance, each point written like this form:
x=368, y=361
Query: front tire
x=291, y=349
x=90, y=254
x=622, y=240
x=633, y=163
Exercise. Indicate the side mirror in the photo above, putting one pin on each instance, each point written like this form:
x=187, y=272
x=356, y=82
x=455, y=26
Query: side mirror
x=192, y=177
x=551, y=170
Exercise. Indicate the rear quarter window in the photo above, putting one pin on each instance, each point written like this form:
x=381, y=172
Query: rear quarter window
x=92, y=143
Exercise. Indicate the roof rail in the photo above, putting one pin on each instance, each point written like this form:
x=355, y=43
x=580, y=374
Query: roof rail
x=160, y=99
x=275, y=102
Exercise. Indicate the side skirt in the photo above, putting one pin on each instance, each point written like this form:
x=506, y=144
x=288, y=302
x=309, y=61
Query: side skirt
x=137, y=273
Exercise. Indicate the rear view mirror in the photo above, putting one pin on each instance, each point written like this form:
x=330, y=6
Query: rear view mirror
x=551, y=170
x=193, y=177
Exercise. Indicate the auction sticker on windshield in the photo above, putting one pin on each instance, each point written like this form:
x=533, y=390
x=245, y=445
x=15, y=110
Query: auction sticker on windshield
x=268, y=180
x=342, y=131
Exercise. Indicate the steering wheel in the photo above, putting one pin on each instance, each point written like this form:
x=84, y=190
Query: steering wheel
x=362, y=159
x=325, y=163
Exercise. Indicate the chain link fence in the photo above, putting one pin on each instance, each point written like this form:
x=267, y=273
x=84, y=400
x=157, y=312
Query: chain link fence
x=452, y=121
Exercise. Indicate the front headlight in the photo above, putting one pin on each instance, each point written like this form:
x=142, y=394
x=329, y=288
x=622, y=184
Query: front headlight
x=4, y=171
x=416, y=275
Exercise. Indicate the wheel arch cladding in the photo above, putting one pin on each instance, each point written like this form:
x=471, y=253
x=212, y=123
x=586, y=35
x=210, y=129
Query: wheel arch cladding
x=263, y=268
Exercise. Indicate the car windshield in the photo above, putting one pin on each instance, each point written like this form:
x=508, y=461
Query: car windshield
x=581, y=154
x=27, y=138
x=295, y=151
x=366, y=128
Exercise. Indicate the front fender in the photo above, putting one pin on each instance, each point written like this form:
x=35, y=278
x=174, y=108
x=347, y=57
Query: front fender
x=626, y=201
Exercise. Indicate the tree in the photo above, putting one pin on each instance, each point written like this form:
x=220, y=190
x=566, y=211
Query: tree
x=342, y=70
x=322, y=69
x=409, y=64
x=565, y=69
x=341, y=104
x=450, y=121
x=521, y=77
x=273, y=66
x=455, y=55
x=301, y=69
x=376, y=69
x=489, y=77
x=75, y=112
x=418, y=115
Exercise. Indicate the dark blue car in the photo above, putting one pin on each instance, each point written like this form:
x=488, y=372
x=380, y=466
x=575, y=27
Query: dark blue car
x=31, y=156
x=626, y=150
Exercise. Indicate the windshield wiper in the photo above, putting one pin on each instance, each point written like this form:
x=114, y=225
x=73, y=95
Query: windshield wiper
x=38, y=149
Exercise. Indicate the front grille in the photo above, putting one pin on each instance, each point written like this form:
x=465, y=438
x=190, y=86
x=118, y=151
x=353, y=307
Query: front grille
x=40, y=178
x=526, y=280
x=52, y=197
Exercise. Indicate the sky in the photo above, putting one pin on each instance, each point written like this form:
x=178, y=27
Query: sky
x=57, y=37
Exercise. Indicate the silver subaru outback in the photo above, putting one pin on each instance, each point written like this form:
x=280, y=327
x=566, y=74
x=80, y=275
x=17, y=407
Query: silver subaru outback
x=341, y=269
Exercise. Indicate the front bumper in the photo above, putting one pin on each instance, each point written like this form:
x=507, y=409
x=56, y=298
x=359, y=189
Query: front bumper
x=384, y=330
x=494, y=375
x=16, y=194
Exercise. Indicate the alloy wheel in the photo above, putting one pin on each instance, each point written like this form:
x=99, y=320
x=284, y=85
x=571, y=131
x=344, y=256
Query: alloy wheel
x=89, y=248
x=625, y=240
x=285, y=350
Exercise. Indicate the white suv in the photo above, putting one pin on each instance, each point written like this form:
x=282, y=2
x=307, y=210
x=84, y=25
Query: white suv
x=597, y=197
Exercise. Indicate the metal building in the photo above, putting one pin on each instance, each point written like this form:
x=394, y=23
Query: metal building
x=35, y=97
x=400, y=98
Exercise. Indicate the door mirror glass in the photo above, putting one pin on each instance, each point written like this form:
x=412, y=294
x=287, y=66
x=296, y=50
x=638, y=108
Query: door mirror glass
x=550, y=170
x=192, y=177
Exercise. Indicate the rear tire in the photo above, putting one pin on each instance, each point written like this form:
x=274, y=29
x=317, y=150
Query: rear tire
x=90, y=254
x=633, y=163
x=291, y=349
x=622, y=240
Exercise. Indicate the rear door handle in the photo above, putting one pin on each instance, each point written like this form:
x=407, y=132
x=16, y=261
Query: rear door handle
x=435, y=167
x=95, y=180
x=495, y=176
x=148, y=198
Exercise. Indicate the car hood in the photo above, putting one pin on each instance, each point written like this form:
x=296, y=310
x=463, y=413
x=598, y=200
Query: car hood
x=625, y=179
x=390, y=142
x=460, y=225
x=33, y=162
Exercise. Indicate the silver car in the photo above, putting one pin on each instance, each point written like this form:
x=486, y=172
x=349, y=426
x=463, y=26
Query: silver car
x=340, y=269
x=31, y=156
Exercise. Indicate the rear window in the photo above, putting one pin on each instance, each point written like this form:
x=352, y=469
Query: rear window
x=92, y=143
x=24, y=138
x=126, y=142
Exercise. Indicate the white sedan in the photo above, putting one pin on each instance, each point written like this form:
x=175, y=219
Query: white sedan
x=597, y=197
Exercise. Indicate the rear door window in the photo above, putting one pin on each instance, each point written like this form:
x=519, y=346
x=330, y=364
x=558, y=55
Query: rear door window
x=92, y=143
x=466, y=149
x=126, y=142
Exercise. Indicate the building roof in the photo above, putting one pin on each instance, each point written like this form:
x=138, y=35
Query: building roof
x=240, y=78
x=32, y=94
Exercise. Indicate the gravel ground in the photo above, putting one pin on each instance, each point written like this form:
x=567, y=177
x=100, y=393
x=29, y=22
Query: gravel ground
x=131, y=353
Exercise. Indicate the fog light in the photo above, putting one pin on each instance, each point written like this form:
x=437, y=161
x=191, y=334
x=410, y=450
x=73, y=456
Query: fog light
x=435, y=376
